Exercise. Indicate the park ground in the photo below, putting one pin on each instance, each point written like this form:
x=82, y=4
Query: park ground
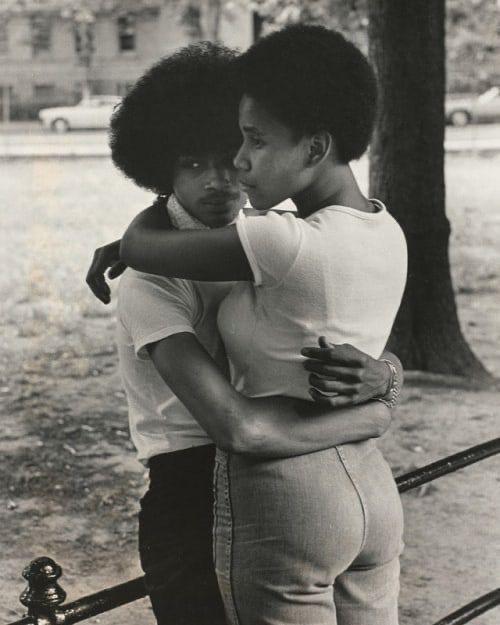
x=70, y=482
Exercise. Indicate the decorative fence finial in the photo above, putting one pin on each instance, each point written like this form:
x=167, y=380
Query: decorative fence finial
x=43, y=594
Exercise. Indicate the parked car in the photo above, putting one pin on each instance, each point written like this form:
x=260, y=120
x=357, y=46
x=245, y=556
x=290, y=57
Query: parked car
x=461, y=111
x=92, y=112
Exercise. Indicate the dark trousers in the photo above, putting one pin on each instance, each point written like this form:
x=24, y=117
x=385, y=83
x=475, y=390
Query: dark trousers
x=175, y=539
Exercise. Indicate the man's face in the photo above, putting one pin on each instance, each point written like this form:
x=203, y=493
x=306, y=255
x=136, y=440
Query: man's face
x=207, y=187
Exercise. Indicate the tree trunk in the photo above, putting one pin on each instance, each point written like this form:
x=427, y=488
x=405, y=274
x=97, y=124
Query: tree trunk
x=192, y=20
x=407, y=48
x=213, y=19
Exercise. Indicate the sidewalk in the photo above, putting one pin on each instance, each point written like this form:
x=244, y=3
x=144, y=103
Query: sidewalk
x=30, y=140
x=20, y=127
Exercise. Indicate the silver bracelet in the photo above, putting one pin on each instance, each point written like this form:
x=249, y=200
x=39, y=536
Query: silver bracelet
x=391, y=397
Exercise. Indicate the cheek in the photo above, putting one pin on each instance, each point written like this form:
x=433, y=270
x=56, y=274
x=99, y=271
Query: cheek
x=270, y=168
x=286, y=171
x=187, y=186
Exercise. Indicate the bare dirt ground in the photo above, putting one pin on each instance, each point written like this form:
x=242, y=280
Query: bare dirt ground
x=70, y=482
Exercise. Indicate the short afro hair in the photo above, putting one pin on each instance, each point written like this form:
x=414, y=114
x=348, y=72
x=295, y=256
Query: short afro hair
x=186, y=104
x=313, y=79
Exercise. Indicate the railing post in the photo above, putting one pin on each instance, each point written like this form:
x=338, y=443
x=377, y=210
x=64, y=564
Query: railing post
x=43, y=594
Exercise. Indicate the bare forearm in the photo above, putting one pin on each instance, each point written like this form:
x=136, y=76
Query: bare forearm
x=141, y=246
x=200, y=384
x=268, y=427
x=280, y=427
x=149, y=246
x=283, y=427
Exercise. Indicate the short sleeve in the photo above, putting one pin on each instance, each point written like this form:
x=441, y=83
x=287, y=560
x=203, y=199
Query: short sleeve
x=271, y=243
x=152, y=308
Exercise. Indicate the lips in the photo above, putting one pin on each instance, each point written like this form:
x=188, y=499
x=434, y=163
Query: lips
x=219, y=200
x=245, y=185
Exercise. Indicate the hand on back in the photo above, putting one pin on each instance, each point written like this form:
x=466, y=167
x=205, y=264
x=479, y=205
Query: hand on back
x=342, y=375
x=105, y=258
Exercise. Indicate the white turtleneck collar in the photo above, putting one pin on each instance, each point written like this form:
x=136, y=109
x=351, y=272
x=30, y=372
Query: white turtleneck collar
x=180, y=218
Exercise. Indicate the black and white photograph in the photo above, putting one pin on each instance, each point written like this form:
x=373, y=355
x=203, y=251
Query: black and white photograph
x=250, y=312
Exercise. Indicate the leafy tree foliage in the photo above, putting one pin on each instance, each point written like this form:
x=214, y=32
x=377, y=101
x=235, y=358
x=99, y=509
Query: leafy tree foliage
x=348, y=16
x=472, y=27
x=473, y=44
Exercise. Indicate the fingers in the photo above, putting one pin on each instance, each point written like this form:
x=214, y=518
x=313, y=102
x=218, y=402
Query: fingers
x=333, y=386
x=99, y=288
x=318, y=353
x=344, y=374
x=116, y=270
x=104, y=258
x=324, y=343
x=95, y=279
x=344, y=354
x=337, y=401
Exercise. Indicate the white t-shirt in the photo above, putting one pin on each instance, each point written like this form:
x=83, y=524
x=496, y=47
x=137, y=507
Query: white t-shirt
x=339, y=273
x=151, y=308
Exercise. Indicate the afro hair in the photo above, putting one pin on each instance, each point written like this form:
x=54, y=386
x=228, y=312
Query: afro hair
x=313, y=79
x=186, y=104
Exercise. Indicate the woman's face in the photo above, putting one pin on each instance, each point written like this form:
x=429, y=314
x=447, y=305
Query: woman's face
x=207, y=187
x=271, y=162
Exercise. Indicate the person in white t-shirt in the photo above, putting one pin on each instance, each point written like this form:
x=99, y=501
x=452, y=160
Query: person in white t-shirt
x=316, y=538
x=167, y=336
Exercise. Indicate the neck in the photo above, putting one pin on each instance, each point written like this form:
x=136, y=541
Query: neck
x=180, y=217
x=334, y=184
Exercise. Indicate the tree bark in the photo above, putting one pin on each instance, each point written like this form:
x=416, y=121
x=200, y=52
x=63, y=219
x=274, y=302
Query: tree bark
x=213, y=18
x=407, y=48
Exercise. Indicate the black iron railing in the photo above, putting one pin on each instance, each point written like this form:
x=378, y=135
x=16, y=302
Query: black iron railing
x=44, y=597
x=472, y=609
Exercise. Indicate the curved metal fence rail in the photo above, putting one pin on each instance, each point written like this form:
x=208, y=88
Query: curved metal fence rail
x=472, y=609
x=450, y=464
x=43, y=596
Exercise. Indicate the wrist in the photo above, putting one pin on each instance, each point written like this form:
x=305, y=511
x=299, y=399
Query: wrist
x=390, y=397
x=385, y=376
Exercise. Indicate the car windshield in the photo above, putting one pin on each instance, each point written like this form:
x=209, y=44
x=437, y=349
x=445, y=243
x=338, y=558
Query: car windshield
x=489, y=95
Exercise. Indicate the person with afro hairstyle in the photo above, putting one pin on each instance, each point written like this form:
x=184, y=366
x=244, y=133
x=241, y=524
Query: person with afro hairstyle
x=316, y=538
x=173, y=134
x=185, y=104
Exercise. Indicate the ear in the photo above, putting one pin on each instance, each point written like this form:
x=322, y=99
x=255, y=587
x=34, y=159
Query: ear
x=320, y=147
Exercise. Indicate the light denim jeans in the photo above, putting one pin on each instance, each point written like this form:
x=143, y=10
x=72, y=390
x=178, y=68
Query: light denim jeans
x=310, y=540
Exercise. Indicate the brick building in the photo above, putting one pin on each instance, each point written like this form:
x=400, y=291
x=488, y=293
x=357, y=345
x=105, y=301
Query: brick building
x=50, y=52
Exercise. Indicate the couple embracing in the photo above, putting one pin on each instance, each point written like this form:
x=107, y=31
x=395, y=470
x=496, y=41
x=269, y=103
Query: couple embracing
x=216, y=312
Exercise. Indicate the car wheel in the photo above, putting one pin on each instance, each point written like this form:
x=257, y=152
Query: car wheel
x=460, y=118
x=60, y=125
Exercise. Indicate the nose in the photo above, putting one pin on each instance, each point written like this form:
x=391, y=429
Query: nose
x=218, y=178
x=241, y=161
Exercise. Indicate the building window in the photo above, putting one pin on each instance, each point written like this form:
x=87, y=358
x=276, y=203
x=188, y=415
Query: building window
x=126, y=33
x=84, y=39
x=191, y=20
x=44, y=93
x=7, y=99
x=4, y=39
x=40, y=34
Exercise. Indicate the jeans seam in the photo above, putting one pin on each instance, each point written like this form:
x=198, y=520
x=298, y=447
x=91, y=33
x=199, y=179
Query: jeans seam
x=215, y=482
x=228, y=545
x=231, y=541
x=359, y=492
